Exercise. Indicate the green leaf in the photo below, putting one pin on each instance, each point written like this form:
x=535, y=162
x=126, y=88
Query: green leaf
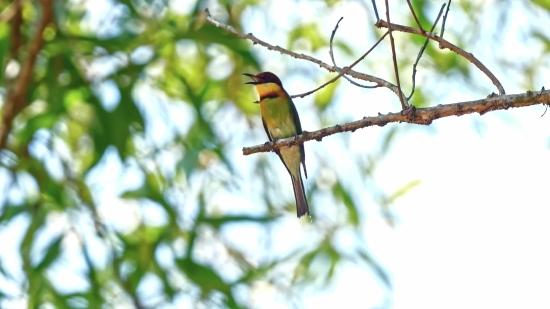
x=545, y=4
x=343, y=195
x=52, y=253
x=404, y=190
x=343, y=47
x=9, y=212
x=219, y=221
x=378, y=270
x=35, y=123
x=311, y=33
x=208, y=34
x=324, y=96
x=4, y=46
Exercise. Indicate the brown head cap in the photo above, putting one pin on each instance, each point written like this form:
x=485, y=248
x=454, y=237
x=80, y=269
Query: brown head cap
x=264, y=78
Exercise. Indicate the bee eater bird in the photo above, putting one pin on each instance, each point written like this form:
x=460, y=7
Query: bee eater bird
x=281, y=120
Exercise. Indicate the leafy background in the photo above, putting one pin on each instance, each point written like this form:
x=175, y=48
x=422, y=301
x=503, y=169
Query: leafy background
x=123, y=184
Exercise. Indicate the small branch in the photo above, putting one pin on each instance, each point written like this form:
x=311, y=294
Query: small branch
x=375, y=10
x=414, y=15
x=344, y=71
x=394, y=57
x=328, y=67
x=445, y=44
x=445, y=20
x=331, y=53
x=422, y=51
x=423, y=116
x=15, y=101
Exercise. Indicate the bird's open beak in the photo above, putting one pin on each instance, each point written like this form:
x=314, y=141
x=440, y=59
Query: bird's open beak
x=254, y=78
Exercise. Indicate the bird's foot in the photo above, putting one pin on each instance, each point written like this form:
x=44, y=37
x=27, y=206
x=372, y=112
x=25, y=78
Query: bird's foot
x=273, y=140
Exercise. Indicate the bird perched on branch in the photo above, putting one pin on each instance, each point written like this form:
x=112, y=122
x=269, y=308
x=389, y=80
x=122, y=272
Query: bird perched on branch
x=281, y=120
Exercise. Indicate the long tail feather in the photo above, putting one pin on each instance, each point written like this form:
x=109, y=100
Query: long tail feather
x=302, y=207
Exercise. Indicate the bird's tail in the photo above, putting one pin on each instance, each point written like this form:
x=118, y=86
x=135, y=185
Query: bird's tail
x=302, y=207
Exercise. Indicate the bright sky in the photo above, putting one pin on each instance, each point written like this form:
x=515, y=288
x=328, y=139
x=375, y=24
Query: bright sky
x=474, y=234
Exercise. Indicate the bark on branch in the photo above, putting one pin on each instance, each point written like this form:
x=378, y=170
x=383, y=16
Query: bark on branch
x=16, y=95
x=423, y=116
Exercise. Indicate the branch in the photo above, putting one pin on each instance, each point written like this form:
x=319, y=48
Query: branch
x=328, y=67
x=445, y=44
x=394, y=57
x=16, y=97
x=423, y=116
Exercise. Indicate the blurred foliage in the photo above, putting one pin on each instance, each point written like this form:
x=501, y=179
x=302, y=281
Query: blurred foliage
x=123, y=175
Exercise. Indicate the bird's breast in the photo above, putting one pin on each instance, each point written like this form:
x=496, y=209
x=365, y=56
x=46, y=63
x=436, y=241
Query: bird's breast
x=278, y=118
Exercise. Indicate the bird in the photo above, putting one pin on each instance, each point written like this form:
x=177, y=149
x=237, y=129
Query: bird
x=280, y=119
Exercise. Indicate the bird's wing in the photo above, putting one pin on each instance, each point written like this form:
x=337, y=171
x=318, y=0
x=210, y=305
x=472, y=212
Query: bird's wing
x=266, y=130
x=276, y=150
x=296, y=119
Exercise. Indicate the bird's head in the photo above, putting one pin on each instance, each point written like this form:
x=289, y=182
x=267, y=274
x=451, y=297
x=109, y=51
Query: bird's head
x=264, y=78
x=267, y=84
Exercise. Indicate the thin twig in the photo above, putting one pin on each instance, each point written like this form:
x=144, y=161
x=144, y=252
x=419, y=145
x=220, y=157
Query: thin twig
x=422, y=51
x=423, y=116
x=414, y=15
x=375, y=10
x=344, y=71
x=328, y=67
x=445, y=44
x=394, y=57
x=15, y=101
x=331, y=53
x=445, y=20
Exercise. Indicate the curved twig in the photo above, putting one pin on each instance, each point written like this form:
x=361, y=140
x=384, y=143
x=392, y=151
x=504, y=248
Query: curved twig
x=331, y=53
x=445, y=44
x=346, y=69
x=423, y=116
